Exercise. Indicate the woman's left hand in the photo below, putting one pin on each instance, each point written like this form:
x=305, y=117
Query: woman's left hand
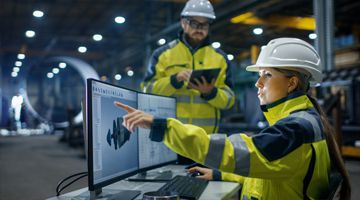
x=135, y=118
x=206, y=173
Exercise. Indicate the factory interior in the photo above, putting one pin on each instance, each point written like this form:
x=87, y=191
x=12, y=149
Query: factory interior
x=48, y=50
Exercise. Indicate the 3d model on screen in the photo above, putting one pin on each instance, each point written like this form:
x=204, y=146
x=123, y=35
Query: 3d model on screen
x=119, y=135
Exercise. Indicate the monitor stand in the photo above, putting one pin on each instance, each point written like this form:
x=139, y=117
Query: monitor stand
x=153, y=176
x=109, y=194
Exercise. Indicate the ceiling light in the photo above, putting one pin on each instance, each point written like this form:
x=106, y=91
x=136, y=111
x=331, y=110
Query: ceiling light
x=38, y=13
x=55, y=70
x=312, y=36
x=50, y=75
x=30, y=33
x=16, y=69
x=97, y=37
x=117, y=77
x=82, y=49
x=62, y=65
x=18, y=63
x=14, y=74
x=230, y=57
x=21, y=56
x=257, y=31
x=161, y=41
x=119, y=19
x=216, y=45
x=130, y=72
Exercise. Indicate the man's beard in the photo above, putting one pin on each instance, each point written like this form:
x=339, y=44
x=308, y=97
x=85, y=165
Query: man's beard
x=195, y=41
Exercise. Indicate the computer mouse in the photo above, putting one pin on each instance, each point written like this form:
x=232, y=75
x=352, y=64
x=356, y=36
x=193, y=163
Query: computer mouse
x=195, y=174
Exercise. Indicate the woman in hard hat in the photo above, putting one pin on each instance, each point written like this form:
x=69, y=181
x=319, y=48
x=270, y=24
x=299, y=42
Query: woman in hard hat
x=293, y=157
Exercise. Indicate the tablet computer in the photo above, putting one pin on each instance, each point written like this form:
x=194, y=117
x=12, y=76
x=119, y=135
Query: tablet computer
x=208, y=74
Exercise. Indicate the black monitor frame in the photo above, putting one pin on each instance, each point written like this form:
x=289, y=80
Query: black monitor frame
x=89, y=131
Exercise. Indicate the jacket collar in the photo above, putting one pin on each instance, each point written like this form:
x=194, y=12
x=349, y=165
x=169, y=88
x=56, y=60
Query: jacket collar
x=182, y=38
x=282, y=108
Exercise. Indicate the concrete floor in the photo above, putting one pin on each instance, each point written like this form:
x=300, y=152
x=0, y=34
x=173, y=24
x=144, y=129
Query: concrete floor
x=31, y=166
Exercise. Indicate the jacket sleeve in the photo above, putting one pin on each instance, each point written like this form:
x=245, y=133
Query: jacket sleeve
x=224, y=176
x=238, y=153
x=222, y=96
x=156, y=81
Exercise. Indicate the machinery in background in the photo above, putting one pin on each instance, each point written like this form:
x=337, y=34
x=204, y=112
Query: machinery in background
x=339, y=95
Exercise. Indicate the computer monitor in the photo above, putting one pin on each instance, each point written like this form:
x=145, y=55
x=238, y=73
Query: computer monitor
x=113, y=152
x=153, y=154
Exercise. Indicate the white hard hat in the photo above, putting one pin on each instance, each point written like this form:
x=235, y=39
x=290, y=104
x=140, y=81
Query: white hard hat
x=290, y=53
x=201, y=8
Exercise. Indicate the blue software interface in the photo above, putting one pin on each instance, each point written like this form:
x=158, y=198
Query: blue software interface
x=113, y=146
x=155, y=153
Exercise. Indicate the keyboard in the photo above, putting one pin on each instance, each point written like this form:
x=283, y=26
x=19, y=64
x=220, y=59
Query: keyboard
x=187, y=187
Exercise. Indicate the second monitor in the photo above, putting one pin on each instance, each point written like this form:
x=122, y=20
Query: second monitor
x=154, y=153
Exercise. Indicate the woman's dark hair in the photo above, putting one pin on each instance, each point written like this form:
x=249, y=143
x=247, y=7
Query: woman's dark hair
x=335, y=155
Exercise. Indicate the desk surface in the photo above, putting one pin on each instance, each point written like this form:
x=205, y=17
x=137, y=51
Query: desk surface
x=215, y=189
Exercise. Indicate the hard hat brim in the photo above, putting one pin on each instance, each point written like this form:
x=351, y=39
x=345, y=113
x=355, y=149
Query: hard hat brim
x=197, y=14
x=316, y=76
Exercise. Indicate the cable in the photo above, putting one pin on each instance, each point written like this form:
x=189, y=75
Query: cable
x=81, y=174
x=70, y=184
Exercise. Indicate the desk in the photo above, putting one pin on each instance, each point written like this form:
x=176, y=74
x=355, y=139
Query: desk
x=216, y=190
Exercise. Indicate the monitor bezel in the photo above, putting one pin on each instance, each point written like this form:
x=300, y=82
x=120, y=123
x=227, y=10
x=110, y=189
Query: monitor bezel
x=97, y=186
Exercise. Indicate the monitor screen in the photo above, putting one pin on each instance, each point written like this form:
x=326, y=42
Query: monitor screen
x=155, y=153
x=113, y=152
x=111, y=145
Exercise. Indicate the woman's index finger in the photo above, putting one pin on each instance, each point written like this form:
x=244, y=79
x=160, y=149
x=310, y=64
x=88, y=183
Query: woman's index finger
x=127, y=108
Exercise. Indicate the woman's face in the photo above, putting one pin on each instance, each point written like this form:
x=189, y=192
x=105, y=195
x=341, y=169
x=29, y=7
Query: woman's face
x=272, y=85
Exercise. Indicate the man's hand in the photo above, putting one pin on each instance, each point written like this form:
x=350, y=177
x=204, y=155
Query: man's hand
x=207, y=174
x=183, y=75
x=135, y=118
x=202, y=86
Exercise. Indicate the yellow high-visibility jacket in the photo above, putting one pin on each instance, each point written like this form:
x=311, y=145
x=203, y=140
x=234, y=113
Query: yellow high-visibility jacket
x=287, y=160
x=192, y=107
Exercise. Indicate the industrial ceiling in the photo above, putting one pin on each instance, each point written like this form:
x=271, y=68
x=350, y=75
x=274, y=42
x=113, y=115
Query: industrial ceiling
x=68, y=24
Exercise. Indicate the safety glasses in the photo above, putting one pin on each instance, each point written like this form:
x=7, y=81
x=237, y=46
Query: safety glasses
x=196, y=24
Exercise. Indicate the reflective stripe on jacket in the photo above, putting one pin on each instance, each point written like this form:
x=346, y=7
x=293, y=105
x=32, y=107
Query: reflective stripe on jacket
x=287, y=160
x=192, y=108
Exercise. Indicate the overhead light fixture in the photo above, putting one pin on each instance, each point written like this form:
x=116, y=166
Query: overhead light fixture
x=257, y=31
x=97, y=37
x=296, y=22
x=18, y=63
x=216, y=45
x=21, y=56
x=82, y=49
x=117, y=77
x=130, y=72
x=62, y=65
x=14, y=74
x=16, y=69
x=55, y=70
x=230, y=57
x=103, y=78
x=120, y=19
x=30, y=33
x=38, y=13
x=161, y=41
x=50, y=75
x=312, y=36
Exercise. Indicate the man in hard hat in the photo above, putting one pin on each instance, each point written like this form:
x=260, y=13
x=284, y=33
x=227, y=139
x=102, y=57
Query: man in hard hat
x=170, y=68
